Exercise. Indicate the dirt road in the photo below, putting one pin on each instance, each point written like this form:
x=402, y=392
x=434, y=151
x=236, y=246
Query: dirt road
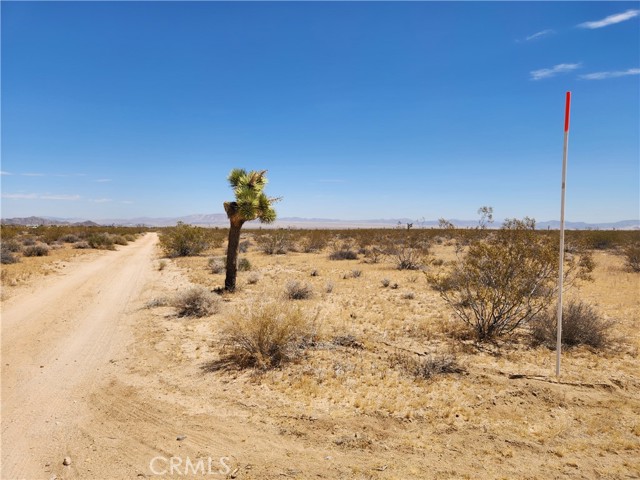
x=57, y=343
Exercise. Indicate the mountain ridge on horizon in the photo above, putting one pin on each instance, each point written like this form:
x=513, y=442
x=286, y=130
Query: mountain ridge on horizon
x=220, y=219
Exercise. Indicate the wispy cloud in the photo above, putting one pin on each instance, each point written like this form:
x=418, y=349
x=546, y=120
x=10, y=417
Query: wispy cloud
x=29, y=196
x=553, y=71
x=60, y=197
x=611, y=19
x=32, y=174
x=606, y=75
x=4, y=173
x=101, y=200
x=537, y=35
x=103, y=180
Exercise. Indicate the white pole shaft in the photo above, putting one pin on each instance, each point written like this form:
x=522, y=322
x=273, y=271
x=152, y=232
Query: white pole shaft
x=561, y=261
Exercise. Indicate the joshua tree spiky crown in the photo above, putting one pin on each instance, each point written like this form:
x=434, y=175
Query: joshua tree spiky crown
x=251, y=202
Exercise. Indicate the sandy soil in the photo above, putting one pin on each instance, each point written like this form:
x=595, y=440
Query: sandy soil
x=96, y=367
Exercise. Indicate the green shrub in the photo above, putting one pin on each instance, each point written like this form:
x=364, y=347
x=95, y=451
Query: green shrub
x=506, y=279
x=184, y=240
x=101, y=240
x=244, y=265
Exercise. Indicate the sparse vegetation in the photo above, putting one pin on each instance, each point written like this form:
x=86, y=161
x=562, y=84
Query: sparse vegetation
x=266, y=336
x=275, y=243
x=581, y=325
x=632, y=256
x=184, y=240
x=244, y=265
x=296, y=290
x=216, y=265
x=37, y=250
x=506, y=280
x=196, y=302
x=427, y=366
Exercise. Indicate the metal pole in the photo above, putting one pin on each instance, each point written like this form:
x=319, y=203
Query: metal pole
x=561, y=263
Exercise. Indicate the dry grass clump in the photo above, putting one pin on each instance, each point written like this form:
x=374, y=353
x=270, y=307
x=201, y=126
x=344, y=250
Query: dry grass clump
x=581, y=325
x=429, y=366
x=244, y=265
x=216, y=265
x=632, y=256
x=253, y=278
x=267, y=335
x=196, y=302
x=296, y=290
x=37, y=250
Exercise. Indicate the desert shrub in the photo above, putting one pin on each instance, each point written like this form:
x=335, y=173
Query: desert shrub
x=11, y=245
x=119, y=240
x=408, y=257
x=7, y=255
x=244, y=265
x=632, y=256
x=343, y=249
x=428, y=366
x=385, y=282
x=408, y=296
x=356, y=273
x=243, y=246
x=157, y=302
x=216, y=265
x=253, y=278
x=82, y=245
x=295, y=290
x=28, y=241
x=314, y=272
x=38, y=250
x=374, y=254
x=162, y=264
x=196, y=302
x=101, y=240
x=129, y=237
x=581, y=325
x=328, y=287
x=184, y=240
x=343, y=255
x=266, y=336
x=69, y=238
x=314, y=241
x=506, y=279
x=276, y=243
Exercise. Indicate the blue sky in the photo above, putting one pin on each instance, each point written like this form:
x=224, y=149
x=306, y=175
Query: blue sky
x=358, y=110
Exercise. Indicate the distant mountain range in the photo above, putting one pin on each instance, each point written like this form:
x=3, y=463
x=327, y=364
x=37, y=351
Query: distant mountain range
x=220, y=220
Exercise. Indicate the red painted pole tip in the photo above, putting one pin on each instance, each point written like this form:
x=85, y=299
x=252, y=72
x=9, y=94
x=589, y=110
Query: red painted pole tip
x=566, y=112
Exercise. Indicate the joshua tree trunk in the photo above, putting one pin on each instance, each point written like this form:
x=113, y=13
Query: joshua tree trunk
x=236, y=223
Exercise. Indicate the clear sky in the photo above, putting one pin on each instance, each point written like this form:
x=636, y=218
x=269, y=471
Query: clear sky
x=358, y=110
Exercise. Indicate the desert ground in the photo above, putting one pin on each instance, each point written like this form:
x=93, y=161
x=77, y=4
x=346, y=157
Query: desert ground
x=99, y=370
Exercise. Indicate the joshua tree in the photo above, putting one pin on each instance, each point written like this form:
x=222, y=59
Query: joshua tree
x=251, y=203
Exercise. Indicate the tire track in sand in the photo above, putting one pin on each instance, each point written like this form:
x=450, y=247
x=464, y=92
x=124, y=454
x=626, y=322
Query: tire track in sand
x=56, y=344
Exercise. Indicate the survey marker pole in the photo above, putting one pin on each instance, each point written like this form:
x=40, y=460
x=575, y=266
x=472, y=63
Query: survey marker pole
x=567, y=108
